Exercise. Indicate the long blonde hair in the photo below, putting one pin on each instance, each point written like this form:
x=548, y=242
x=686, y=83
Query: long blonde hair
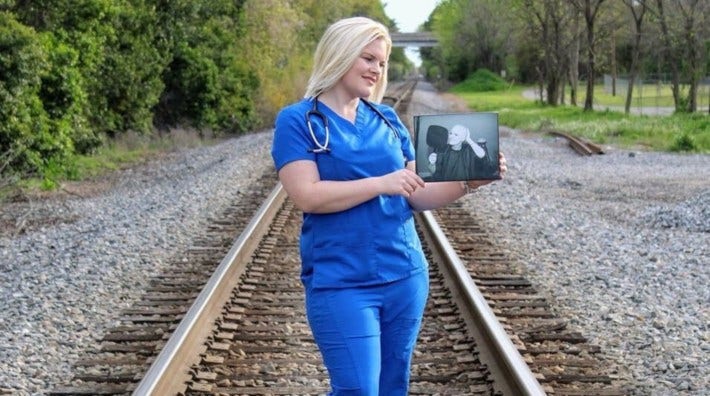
x=341, y=44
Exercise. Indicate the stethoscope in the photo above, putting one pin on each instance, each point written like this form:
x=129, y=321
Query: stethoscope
x=323, y=148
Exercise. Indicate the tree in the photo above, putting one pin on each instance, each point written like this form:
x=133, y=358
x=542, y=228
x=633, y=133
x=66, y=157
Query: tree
x=473, y=35
x=694, y=15
x=550, y=23
x=589, y=10
x=573, y=69
x=271, y=47
x=25, y=136
x=638, y=10
x=209, y=81
x=685, y=34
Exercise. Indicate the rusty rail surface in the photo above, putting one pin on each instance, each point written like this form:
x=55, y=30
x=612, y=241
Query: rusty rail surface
x=581, y=145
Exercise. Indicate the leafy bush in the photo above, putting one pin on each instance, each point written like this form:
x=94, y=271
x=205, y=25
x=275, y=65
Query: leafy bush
x=482, y=80
x=76, y=75
x=207, y=85
x=130, y=77
x=63, y=95
x=684, y=142
x=25, y=137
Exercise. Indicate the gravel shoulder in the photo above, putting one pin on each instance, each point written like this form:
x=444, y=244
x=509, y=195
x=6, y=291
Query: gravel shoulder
x=82, y=256
x=619, y=242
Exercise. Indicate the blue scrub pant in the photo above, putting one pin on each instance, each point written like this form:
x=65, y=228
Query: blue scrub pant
x=367, y=334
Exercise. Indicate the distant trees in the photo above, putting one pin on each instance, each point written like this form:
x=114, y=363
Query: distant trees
x=554, y=43
x=551, y=24
x=472, y=35
x=75, y=73
x=685, y=32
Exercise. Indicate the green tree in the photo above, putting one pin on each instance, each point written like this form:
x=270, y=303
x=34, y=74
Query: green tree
x=64, y=97
x=129, y=80
x=685, y=32
x=473, y=35
x=118, y=60
x=208, y=81
x=25, y=137
x=272, y=46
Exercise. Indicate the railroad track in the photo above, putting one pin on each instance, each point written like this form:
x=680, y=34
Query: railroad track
x=399, y=95
x=124, y=353
x=564, y=361
x=259, y=342
x=581, y=145
x=229, y=319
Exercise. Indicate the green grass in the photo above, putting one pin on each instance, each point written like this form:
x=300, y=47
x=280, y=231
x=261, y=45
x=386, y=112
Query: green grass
x=646, y=95
x=679, y=132
x=110, y=159
x=124, y=152
x=131, y=149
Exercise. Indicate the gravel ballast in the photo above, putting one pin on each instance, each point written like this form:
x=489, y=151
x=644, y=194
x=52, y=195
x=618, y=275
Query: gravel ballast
x=65, y=280
x=619, y=243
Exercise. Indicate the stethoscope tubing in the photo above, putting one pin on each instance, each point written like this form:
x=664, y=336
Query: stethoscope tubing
x=320, y=147
x=323, y=148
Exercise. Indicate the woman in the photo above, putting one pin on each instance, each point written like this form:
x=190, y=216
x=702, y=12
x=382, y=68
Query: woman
x=348, y=164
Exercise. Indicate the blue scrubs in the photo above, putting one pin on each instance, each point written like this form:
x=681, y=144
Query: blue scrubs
x=363, y=269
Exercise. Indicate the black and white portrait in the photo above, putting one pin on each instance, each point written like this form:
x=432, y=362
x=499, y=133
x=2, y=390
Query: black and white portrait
x=457, y=146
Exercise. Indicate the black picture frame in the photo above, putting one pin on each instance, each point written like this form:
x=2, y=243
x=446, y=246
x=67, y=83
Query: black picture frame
x=459, y=161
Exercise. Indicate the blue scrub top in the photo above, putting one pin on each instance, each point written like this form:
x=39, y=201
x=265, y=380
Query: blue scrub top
x=374, y=242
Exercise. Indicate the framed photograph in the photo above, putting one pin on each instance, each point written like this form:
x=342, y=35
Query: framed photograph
x=455, y=147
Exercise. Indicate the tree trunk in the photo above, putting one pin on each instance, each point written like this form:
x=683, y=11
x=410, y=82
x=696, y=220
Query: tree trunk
x=562, y=91
x=636, y=50
x=669, y=51
x=541, y=84
x=589, y=100
x=574, y=63
x=590, y=13
x=694, y=61
x=553, y=86
x=614, y=72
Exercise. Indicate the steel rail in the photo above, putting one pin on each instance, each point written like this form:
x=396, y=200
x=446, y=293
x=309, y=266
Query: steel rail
x=170, y=370
x=580, y=145
x=511, y=373
x=402, y=94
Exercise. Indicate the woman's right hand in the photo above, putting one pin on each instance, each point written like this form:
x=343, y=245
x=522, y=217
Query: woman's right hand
x=401, y=182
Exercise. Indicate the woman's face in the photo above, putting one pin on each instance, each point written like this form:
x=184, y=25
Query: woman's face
x=367, y=70
x=457, y=135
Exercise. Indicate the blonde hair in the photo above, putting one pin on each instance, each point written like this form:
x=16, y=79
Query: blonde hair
x=341, y=44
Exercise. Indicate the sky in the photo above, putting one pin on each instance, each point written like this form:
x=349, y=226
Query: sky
x=409, y=14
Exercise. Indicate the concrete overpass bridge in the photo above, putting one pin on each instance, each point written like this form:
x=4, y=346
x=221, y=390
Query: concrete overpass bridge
x=418, y=39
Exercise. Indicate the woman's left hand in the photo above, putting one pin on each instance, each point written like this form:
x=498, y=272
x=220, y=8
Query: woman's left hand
x=502, y=168
x=502, y=165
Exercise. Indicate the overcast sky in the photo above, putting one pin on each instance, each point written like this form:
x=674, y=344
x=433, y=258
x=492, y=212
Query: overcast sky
x=409, y=14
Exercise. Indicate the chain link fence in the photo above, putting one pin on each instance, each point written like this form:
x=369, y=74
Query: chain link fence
x=652, y=94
